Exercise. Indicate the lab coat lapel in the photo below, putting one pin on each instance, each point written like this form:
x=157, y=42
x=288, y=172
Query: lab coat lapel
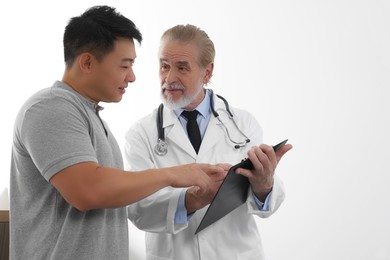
x=175, y=134
x=212, y=136
x=214, y=131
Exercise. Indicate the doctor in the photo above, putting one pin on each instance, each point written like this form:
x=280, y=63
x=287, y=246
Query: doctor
x=171, y=215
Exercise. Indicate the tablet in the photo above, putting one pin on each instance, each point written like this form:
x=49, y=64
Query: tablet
x=231, y=194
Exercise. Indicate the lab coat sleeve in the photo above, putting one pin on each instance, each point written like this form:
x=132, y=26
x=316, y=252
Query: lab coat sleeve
x=255, y=132
x=155, y=213
x=276, y=199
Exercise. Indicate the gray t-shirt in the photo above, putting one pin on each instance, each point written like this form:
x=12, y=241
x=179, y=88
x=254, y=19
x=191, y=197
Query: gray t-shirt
x=57, y=128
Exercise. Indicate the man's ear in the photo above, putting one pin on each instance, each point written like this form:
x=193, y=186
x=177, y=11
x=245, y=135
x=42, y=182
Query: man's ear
x=209, y=73
x=85, y=62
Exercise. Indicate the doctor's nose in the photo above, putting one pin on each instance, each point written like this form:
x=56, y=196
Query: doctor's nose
x=169, y=77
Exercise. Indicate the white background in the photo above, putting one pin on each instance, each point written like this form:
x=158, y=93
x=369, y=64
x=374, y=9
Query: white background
x=313, y=71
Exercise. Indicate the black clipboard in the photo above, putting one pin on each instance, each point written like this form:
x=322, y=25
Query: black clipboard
x=232, y=193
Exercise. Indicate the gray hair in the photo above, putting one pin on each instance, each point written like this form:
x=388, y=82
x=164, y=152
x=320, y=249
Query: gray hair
x=191, y=34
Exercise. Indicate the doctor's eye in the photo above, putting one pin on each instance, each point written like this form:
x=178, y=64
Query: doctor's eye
x=164, y=67
x=183, y=69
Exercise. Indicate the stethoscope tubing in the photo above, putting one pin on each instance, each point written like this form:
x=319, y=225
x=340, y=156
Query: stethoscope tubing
x=161, y=147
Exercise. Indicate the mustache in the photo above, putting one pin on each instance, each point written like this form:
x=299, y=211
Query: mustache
x=172, y=86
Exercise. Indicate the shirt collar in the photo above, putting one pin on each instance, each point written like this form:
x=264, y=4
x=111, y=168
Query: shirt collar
x=203, y=108
x=92, y=105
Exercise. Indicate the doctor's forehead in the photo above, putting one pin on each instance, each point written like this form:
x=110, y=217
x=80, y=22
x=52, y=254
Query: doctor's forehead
x=174, y=52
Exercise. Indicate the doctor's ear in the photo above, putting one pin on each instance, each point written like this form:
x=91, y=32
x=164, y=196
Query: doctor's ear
x=209, y=73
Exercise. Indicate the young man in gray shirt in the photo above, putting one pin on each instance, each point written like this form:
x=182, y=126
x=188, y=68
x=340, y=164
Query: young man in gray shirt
x=68, y=186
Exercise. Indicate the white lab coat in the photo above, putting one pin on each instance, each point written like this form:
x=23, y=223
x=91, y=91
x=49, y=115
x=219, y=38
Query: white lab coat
x=235, y=236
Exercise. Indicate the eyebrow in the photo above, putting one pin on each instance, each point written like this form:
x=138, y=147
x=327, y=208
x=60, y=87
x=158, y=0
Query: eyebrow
x=177, y=62
x=128, y=59
x=180, y=63
x=183, y=63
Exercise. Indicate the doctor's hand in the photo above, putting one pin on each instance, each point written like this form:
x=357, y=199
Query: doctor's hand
x=195, y=199
x=264, y=160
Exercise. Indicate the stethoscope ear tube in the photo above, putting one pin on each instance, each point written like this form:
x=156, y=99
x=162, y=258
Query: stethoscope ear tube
x=226, y=105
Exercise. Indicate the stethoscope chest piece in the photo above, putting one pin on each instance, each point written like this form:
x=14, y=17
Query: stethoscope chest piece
x=161, y=148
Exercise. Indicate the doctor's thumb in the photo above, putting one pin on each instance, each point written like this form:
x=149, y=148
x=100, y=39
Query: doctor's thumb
x=282, y=151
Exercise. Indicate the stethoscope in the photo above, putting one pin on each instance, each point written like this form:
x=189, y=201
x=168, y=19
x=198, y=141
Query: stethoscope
x=161, y=147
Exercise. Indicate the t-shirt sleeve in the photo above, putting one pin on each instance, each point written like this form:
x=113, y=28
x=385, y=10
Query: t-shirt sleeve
x=56, y=134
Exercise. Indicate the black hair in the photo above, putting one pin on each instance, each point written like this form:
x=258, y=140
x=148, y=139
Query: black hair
x=96, y=31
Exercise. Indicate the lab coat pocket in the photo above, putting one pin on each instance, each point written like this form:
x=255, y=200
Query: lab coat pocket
x=159, y=246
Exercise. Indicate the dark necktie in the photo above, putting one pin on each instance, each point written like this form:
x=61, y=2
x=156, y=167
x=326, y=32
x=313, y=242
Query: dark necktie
x=193, y=128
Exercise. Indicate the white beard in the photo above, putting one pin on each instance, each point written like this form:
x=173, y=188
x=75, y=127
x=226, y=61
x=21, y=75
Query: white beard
x=182, y=102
